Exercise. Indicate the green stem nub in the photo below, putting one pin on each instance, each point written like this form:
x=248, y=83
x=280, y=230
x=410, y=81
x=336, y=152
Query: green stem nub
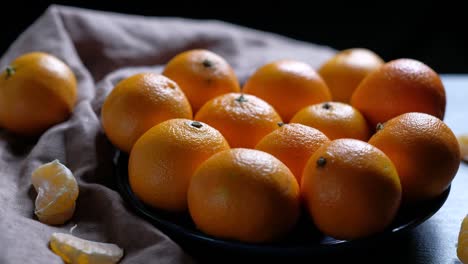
x=326, y=106
x=321, y=162
x=280, y=124
x=241, y=99
x=379, y=126
x=10, y=70
x=196, y=124
x=207, y=63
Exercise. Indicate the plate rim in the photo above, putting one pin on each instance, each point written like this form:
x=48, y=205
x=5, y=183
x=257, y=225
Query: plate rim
x=121, y=161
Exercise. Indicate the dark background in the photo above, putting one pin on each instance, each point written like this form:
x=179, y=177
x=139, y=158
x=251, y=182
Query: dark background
x=433, y=32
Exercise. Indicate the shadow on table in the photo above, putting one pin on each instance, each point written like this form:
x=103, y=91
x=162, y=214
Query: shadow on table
x=17, y=145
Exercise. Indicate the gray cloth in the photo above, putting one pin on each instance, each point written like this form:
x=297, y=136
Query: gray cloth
x=102, y=48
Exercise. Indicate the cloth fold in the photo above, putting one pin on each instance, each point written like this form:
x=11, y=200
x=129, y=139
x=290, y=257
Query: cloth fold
x=103, y=48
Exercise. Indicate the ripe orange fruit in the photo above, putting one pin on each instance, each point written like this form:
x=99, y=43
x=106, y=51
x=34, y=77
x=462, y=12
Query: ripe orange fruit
x=293, y=144
x=335, y=120
x=351, y=189
x=244, y=194
x=288, y=86
x=166, y=156
x=344, y=71
x=399, y=87
x=202, y=75
x=37, y=90
x=138, y=103
x=243, y=119
x=425, y=153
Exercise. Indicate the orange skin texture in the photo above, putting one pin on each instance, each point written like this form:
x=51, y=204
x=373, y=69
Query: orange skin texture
x=355, y=193
x=425, y=153
x=243, y=122
x=335, y=120
x=293, y=144
x=245, y=195
x=288, y=86
x=202, y=75
x=398, y=87
x=344, y=71
x=164, y=159
x=138, y=103
x=40, y=93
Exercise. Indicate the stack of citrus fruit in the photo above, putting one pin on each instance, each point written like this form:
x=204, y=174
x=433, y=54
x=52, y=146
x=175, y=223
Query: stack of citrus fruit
x=353, y=142
x=352, y=180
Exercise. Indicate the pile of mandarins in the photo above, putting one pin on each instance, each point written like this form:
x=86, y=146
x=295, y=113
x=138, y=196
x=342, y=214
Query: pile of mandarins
x=351, y=143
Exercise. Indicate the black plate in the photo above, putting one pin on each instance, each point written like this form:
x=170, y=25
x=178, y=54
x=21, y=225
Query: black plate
x=305, y=240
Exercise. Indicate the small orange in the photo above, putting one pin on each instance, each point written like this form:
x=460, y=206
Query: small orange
x=351, y=189
x=293, y=144
x=335, y=120
x=164, y=159
x=138, y=103
x=37, y=91
x=288, y=86
x=425, y=153
x=244, y=194
x=399, y=87
x=243, y=119
x=202, y=75
x=344, y=71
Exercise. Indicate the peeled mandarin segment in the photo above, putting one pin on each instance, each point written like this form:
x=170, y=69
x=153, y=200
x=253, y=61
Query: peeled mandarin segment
x=57, y=218
x=463, y=141
x=75, y=250
x=57, y=192
x=462, y=250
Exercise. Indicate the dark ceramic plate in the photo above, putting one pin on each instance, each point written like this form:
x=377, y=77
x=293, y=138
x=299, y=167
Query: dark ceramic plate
x=304, y=240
